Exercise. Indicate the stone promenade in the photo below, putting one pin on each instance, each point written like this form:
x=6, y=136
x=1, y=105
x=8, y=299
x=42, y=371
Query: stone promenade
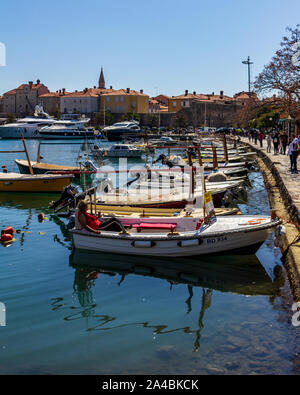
x=289, y=183
x=284, y=195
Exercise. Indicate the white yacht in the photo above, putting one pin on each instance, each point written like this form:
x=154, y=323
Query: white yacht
x=121, y=130
x=28, y=126
x=164, y=141
x=124, y=151
x=70, y=126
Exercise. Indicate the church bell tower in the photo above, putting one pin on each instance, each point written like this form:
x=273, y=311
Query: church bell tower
x=101, y=80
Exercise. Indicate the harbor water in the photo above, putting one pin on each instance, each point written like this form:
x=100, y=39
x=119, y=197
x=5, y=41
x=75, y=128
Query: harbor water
x=74, y=312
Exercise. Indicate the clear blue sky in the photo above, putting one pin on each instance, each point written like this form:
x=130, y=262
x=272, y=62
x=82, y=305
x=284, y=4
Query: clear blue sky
x=156, y=45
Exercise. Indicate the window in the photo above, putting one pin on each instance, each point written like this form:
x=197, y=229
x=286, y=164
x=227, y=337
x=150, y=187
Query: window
x=116, y=108
x=174, y=103
x=122, y=98
x=133, y=104
x=117, y=99
x=108, y=99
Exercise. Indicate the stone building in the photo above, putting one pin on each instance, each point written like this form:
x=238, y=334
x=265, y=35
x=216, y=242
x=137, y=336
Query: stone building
x=125, y=100
x=51, y=101
x=163, y=100
x=22, y=100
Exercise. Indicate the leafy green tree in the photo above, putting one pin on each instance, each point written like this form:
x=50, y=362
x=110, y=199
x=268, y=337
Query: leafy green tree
x=99, y=118
x=131, y=116
x=54, y=112
x=10, y=118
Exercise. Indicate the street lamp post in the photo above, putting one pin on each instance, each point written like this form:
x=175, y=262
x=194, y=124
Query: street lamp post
x=248, y=62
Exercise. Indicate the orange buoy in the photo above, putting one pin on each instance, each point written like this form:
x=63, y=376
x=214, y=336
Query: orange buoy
x=41, y=217
x=6, y=237
x=8, y=230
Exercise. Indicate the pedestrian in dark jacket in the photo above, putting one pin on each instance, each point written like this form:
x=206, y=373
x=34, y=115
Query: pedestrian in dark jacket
x=276, y=143
x=261, y=138
x=293, y=153
x=284, y=141
x=255, y=137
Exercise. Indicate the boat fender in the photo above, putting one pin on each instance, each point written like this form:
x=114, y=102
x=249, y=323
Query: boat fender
x=4, y=169
x=190, y=243
x=143, y=244
x=6, y=237
x=8, y=231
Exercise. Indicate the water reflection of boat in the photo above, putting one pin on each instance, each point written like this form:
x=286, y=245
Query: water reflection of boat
x=23, y=201
x=242, y=275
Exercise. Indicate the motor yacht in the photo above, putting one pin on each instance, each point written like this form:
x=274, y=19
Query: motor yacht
x=122, y=130
x=67, y=128
x=28, y=126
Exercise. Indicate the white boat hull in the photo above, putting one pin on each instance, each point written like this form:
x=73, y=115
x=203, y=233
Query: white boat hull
x=214, y=240
x=12, y=132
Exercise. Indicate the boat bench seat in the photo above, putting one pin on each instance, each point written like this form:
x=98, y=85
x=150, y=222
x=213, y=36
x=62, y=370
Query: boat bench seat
x=155, y=226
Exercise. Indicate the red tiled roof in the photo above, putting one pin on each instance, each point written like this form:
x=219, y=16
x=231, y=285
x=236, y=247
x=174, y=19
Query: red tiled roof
x=91, y=92
x=203, y=97
x=53, y=94
x=12, y=92
x=121, y=92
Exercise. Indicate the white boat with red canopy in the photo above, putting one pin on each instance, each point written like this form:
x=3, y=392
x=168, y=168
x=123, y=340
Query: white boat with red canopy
x=179, y=236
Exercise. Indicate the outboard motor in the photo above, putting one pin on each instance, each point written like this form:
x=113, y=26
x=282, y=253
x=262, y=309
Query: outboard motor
x=70, y=195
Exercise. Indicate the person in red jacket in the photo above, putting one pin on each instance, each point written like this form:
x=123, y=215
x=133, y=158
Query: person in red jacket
x=261, y=138
x=95, y=224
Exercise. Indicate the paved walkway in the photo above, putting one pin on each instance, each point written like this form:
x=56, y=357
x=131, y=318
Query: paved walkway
x=283, y=165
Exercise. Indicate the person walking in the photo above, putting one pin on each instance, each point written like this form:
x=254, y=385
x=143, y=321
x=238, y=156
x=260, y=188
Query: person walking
x=293, y=153
x=276, y=143
x=269, y=142
x=284, y=141
x=261, y=139
x=255, y=137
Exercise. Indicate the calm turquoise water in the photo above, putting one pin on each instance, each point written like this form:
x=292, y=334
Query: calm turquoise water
x=83, y=313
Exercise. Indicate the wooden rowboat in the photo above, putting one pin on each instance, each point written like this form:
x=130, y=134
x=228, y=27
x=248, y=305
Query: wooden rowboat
x=158, y=237
x=15, y=182
x=42, y=168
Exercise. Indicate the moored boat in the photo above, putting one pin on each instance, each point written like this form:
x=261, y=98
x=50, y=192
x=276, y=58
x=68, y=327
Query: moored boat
x=176, y=238
x=42, y=168
x=15, y=182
